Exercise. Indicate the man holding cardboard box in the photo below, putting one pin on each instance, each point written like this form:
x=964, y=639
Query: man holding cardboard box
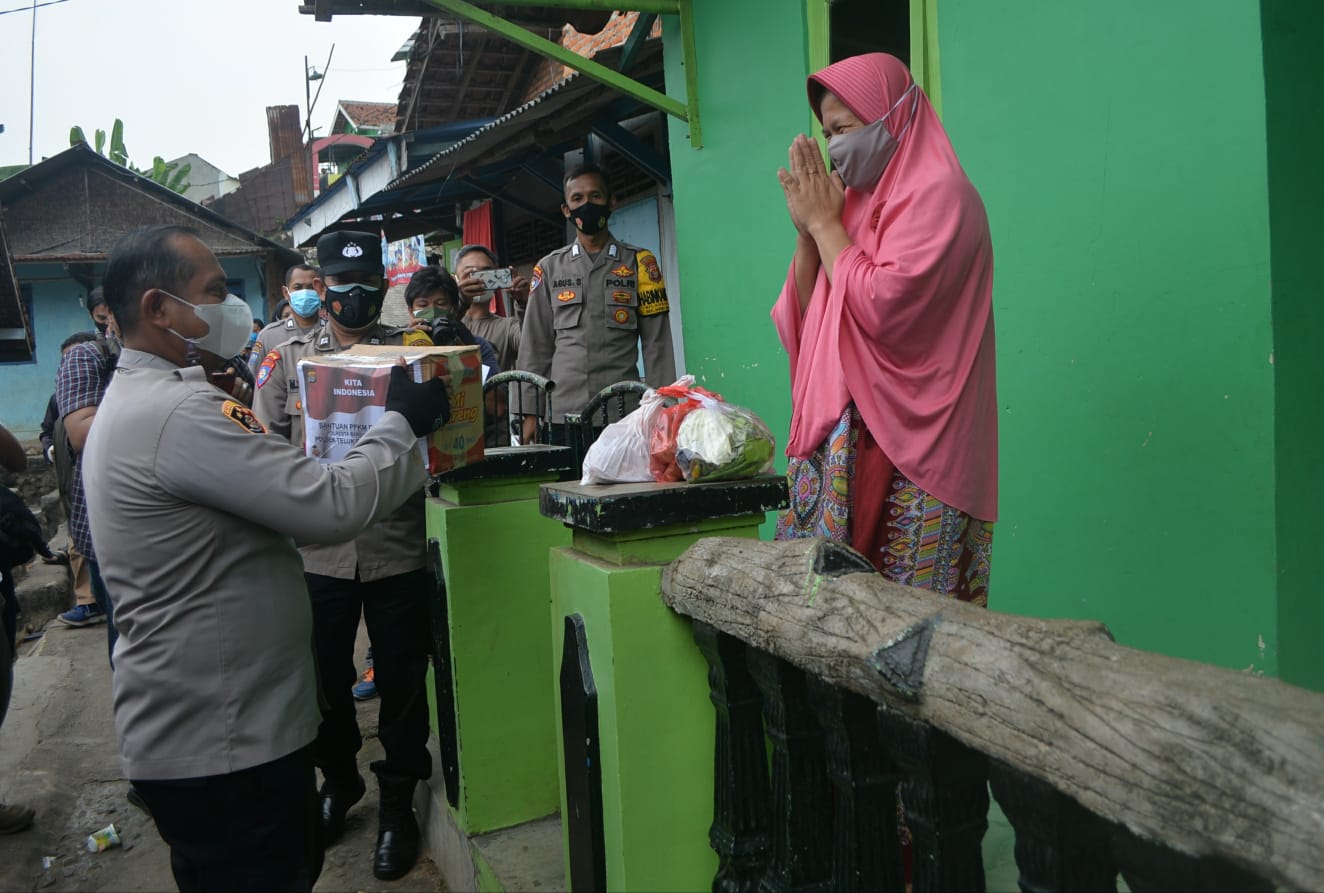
x=380, y=576
x=215, y=687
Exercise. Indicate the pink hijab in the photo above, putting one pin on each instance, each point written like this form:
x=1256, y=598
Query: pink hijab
x=905, y=328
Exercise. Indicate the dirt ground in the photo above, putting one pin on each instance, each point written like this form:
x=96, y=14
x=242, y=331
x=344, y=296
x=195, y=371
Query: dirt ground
x=58, y=755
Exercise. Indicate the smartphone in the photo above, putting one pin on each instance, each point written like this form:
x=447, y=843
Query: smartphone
x=500, y=278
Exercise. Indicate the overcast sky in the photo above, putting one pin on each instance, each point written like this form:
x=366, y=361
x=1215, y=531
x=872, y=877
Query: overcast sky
x=184, y=75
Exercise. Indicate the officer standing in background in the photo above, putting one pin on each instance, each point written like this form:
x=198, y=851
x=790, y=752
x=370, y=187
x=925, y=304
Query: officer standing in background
x=591, y=304
x=380, y=576
x=304, y=299
x=214, y=686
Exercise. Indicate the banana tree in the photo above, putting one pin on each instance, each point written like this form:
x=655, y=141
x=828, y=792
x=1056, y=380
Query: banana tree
x=171, y=176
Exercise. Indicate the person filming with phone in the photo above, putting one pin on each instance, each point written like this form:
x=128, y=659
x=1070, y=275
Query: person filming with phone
x=480, y=282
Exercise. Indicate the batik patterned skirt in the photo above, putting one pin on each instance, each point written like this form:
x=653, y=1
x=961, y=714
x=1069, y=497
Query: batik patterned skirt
x=849, y=492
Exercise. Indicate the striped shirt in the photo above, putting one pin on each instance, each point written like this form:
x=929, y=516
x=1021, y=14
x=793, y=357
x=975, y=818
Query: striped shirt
x=81, y=382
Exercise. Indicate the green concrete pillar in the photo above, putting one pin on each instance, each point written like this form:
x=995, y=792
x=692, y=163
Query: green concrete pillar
x=493, y=714
x=647, y=829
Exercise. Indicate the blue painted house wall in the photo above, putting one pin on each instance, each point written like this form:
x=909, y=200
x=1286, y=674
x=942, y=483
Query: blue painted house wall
x=58, y=310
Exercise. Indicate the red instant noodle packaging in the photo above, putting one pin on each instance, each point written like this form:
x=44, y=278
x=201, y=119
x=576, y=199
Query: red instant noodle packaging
x=662, y=443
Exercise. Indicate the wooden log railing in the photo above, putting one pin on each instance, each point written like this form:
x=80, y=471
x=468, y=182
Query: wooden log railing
x=1106, y=760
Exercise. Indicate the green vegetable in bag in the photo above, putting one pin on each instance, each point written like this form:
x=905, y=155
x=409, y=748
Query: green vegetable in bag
x=722, y=442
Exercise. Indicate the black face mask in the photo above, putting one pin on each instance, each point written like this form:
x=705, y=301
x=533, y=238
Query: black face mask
x=101, y=327
x=356, y=307
x=591, y=217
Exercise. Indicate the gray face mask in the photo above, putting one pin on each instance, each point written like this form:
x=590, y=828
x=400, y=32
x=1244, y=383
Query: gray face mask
x=861, y=155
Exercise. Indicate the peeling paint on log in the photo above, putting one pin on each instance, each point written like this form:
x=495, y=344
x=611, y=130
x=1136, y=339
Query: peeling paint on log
x=1209, y=761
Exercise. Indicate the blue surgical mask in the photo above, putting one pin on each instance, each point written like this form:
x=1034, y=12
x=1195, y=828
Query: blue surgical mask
x=304, y=302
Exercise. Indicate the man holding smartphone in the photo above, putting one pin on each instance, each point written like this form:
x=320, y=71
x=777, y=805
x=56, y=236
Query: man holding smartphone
x=479, y=279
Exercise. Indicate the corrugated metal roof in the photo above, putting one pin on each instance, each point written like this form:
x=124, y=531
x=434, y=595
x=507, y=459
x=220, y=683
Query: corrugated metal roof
x=560, y=94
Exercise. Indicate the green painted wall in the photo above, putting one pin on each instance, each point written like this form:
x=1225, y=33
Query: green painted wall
x=1293, y=33
x=734, y=239
x=1120, y=151
x=1120, y=148
x=494, y=546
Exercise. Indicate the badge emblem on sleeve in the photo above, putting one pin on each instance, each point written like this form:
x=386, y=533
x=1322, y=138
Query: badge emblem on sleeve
x=268, y=363
x=242, y=416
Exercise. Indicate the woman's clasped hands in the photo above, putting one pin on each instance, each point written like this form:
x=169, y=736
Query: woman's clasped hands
x=814, y=197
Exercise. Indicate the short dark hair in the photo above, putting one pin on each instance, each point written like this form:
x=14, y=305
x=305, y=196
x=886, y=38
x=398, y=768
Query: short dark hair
x=76, y=338
x=470, y=249
x=144, y=258
x=95, y=298
x=429, y=279
x=275, y=317
x=297, y=267
x=587, y=170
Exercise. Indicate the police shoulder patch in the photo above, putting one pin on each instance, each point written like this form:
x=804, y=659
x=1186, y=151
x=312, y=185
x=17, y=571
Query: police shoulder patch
x=242, y=416
x=268, y=363
x=648, y=263
x=653, y=301
x=416, y=337
x=537, y=278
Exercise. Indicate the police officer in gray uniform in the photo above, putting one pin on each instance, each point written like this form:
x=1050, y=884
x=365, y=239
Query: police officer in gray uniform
x=591, y=304
x=214, y=688
x=303, y=295
x=380, y=576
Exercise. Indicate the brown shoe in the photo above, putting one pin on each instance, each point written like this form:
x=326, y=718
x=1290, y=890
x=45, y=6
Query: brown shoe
x=14, y=819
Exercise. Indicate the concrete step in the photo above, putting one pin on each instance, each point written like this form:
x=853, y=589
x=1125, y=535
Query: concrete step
x=46, y=591
x=526, y=857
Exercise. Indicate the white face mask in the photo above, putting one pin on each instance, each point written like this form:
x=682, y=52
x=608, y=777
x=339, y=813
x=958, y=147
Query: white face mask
x=229, y=324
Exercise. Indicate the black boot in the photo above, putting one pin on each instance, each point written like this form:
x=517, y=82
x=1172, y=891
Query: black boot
x=338, y=795
x=397, y=831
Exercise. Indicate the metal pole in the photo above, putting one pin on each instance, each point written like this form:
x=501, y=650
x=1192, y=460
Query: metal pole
x=307, y=102
x=32, y=81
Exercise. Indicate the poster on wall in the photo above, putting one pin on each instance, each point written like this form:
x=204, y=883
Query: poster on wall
x=403, y=258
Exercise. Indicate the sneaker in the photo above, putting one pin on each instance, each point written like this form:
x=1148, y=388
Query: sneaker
x=15, y=818
x=83, y=615
x=367, y=688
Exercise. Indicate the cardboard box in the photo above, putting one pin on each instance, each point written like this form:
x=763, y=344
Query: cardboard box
x=344, y=394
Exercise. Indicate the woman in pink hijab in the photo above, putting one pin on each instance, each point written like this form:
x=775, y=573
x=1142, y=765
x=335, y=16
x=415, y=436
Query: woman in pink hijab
x=887, y=316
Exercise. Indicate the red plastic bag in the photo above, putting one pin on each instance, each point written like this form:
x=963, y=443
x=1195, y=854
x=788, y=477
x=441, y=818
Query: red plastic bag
x=662, y=442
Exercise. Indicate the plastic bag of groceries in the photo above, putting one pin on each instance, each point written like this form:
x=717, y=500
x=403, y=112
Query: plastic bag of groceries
x=620, y=454
x=703, y=438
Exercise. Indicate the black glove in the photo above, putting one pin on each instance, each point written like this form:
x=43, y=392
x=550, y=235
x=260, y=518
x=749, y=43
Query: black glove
x=426, y=405
x=447, y=330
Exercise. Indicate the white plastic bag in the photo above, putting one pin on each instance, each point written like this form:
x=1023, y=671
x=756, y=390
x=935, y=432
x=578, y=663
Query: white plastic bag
x=620, y=454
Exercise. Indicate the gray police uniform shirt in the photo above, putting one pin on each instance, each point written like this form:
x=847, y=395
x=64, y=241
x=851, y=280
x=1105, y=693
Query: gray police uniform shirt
x=396, y=545
x=214, y=664
x=277, y=333
x=586, y=318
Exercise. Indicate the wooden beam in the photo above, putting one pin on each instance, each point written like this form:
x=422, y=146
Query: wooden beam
x=462, y=89
x=1210, y=761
